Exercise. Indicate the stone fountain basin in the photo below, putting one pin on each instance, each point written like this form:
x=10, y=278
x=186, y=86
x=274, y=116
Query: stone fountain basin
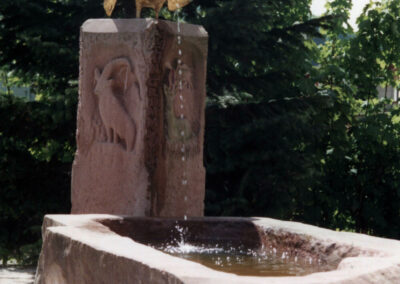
x=111, y=249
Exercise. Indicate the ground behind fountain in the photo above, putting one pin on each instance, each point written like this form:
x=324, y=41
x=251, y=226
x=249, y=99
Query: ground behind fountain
x=17, y=275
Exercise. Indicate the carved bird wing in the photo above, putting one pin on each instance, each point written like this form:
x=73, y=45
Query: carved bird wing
x=176, y=4
x=109, y=6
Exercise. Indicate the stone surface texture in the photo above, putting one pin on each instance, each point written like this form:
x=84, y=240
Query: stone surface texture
x=128, y=158
x=81, y=249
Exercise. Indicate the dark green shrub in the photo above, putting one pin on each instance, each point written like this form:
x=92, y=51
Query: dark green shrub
x=35, y=161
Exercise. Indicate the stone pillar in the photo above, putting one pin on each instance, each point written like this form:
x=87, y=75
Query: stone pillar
x=128, y=158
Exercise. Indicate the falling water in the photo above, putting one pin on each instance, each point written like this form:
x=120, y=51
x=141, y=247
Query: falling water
x=182, y=100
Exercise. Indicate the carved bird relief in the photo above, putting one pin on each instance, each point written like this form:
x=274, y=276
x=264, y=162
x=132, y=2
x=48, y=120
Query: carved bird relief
x=115, y=78
x=109, y=5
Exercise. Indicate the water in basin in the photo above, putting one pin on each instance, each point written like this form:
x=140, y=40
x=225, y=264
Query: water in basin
x=243, y=261
x=229, y=245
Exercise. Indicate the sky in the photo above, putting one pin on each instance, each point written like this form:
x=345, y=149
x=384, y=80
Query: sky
x=317, y=8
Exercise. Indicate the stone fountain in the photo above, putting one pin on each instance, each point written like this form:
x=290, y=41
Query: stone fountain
x=131, y=186
x=129, y=144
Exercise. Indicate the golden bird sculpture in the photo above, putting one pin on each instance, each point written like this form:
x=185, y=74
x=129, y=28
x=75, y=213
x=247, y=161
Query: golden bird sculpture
x=173, y=5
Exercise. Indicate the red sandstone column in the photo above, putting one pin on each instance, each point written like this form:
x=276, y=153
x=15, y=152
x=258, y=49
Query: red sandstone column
x=128, y=158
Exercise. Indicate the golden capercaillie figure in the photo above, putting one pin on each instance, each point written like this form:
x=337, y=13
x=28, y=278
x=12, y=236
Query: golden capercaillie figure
x=109, y=5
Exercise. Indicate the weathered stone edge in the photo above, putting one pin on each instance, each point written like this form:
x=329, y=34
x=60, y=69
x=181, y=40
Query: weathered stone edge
x=104, y=26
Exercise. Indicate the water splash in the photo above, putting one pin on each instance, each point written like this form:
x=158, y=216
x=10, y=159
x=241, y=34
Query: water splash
x=263, y=261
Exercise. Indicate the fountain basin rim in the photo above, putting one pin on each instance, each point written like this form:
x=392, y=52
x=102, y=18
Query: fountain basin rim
x=377, y=257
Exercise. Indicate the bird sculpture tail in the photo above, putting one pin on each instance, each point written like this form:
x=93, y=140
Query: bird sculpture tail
x=177, y=4
x=173, y=5
x=109, y=6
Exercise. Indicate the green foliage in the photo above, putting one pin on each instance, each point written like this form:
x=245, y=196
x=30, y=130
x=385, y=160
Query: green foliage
x=249, y=58
x=39, y=43
x=366, y=187
x=328, y=156
x=263, y=154
x=36, y=155
x=373, y=57
x=361, y=167
x=261, y=159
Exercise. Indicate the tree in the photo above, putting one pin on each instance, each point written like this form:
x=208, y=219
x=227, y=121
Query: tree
x=361, y=169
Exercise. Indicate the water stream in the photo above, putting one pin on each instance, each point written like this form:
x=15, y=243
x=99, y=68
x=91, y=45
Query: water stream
x=182, y=101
